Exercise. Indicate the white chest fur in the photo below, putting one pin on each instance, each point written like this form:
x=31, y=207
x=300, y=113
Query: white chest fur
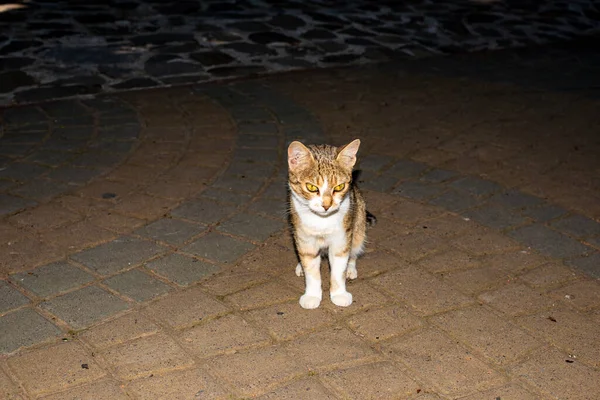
x=323, y=226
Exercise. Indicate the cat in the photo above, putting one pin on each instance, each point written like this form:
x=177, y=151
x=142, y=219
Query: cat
x=327, y=212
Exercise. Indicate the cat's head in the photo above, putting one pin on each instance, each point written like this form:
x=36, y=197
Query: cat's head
x=320, y=176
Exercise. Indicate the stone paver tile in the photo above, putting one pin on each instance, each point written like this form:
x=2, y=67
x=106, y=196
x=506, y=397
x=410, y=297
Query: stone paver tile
x=514, y=262
x=574, y=331
x=106, y=189
x=239, y=184
x=549, y=242
x=225, y=335
x=516, y=298
x=544, y=212
x=172, y=231
x=179, y=385
x=488, y=333
x=439, y=175
x=286, y=321
x=377, y=261
x=450, y=260
x=269, y=259
x=515, y=199
x=174, y=190
x=548, y=275
x=262, y=295
x=384, y=323
x=10, y=204
x=219, y=248
x=473, y=281
x=8, y=389
x=559, y=376
x=495, y=217
x=119, y=330
x=103, y=390
x=10, y=297
x=409, y=212
x=422, y=291
x=577, y=226
x=182, y=270
x=251, y=226
x=406, y=169
x=205, y=211
x=115, y=222
x=232, y=281
x=476, y=186
x=46, y=216
x=482, y=242
x=121, y=253
x=143, y=206
x=52, y=278
x=414, y=245
x=186, y=308
x=24, y=328
x=84, y=307
x=333, y=346
x=55, y=368
x=583, y=295
x=447, y=226
x=357, y=382
x=305, y=389
x=363, y=296
x=435, y=358
x=77, y=236
x=84, y=205
x=137, y=285
x=146, y=355
x=590, y=264
x=456, y=201
x=256, y=371
x=419, y=190
x=511, y=391
x=16, y=254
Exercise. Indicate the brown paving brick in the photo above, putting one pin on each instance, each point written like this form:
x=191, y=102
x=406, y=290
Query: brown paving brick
x=16, y=254
x=190, y=174
x=46, y=216
x=262, y=295
x=129, y=173
x=115, y=222
x=548, y=275
x=379, y=202
x=179, y=385
x=574, y=331
x=490, y=334
x=256, y=371
x=102, y=390
x=222, y=336
x=549, y=372
x=122, y=329
x=357, y=382
x=77, y=236
x=482, y=242
x=143, y=206
x=95, y=190
x=305, y=389
x=512, y=391
x=186, y=308
x=433, y=156
x=422, y=291
x=414, y=245
x=515, y=298
x=334, y=346
x=447, y=226
x=156, y=353
x=8, y=389
x=384, y=323
x=513, y=261
x=231, y=282
x=284, y=240
x=384, y=229
x=435, y=358
x=450, y=260
x=410, y=213
x=582, y=294
x=474, y=281
x=54, y=368
x=286, y=321
x=270, y=258
x=378, y=261
x=84, y=205
x=172, y=189
x=364, y=296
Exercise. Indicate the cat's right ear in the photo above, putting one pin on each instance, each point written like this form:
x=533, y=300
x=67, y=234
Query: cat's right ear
x=299, y=156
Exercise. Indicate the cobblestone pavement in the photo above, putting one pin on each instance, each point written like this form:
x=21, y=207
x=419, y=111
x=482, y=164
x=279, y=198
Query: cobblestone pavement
x=56, y=49
x=161, y=266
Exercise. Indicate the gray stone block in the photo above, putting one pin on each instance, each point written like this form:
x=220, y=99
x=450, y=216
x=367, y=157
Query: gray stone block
x=172, y=231
x=121, y=132
x=594, y=242
x=10, y=204
x=250, y=169
x=10, y=298
x=24, y=328
x=496, y=217
x=376, y=183
x=271, y=207
x=227, y=196
x=52, y=279
x=515, y=199
x=589, y=265
x=41, y=189
x=476, y=186
x=22, y=171
x=181, y=269
x=454, y=200
x=238, y=184
x=277, y=190
x=544, y=212
x=418, y=190
x=549, y=242
x=439, y=175
x=203, y=210
x=219, y=248
x=137, y=285
x=84, y=307
x=258, y=128
x=121, y=253
x=64, y=109
x=578, y=226
x=73, y=175
x=251, y=226
x=406, y=169
x=266, y=156
x=250, y=113
x=258, y=141
x=374, y=162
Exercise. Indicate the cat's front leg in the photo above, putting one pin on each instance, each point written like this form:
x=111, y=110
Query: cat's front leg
x=311, y=264
x=338, y=259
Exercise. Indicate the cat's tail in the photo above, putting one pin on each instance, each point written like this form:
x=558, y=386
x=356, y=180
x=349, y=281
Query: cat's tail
x=371, y=219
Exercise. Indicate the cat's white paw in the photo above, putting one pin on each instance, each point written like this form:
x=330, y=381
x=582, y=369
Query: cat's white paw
x=342, y=299
x=309, y=302
x=351, y=272
x=299, y=270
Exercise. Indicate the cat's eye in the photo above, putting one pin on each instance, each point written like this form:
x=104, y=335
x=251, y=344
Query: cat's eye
x=339, y=187
x=312, y=188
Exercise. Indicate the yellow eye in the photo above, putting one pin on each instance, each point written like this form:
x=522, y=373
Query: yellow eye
x=312, y=188
x=339, y=187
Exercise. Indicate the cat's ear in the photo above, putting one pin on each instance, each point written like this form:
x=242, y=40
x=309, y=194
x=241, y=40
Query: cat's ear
x=347, y=154
x=298, y=156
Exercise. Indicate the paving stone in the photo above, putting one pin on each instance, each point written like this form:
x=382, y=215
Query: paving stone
x=219, y=248
x=439, y=175
x=262, y=295
x=84, y=307
x=306, y=389
x=496, y=217
x=137, y=285
x=382, y=183
x=373, y=162
x=418, y=190
x=172, y=231
x=383, y=324
x=258, y=128
x=119, y=330
x=181, y=269
x=117, y=255
x=52, y=279
x=24, y=328
x=102, y=390
x=549, y=242
x=270, y=207
x=11, y=204
x=54, y=368
x=548, y=275
x=577, y=226
x=413, y=245
x=203, y=210
x=406, y=169
x=590, y=264
x=544, y=213
x=476, y=186
x=455, y=201
x=451, y=260
x=583, y=295
x=41, y=189
x=515, y=298
x=515, y=199
x=512, y=391
x=251, y=226
x=10, y=298
x=269, y=156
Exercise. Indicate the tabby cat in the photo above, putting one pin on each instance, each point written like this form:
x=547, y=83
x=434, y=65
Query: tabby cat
x=327, y=212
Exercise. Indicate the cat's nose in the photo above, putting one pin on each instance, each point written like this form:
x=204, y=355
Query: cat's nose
x=326, y=207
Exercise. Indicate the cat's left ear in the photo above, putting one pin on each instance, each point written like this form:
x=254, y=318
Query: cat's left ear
x=347, y=154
